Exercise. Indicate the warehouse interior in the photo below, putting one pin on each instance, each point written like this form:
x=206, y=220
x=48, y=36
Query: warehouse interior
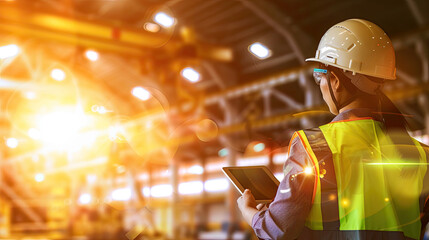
x=117, y=116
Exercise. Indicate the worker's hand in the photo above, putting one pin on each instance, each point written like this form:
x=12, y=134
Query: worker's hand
x=246, y=200
x=247, y=205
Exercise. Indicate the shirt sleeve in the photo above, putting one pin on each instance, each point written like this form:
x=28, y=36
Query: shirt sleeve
x=285, y=217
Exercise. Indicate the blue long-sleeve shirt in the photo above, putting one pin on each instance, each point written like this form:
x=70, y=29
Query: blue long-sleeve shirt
x=285, y=217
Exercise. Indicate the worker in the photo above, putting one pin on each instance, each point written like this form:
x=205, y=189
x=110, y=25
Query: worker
x=361, y=176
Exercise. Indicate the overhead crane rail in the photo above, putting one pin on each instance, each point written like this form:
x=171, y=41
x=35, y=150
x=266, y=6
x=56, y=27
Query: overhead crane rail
x=102, y=35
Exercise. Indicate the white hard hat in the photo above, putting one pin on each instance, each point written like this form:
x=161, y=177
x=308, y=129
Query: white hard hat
x=358, y=46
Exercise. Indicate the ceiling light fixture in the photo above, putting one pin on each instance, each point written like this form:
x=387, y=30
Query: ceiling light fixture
x=91, y=55
x=164, y=20
x=141, y=93
x=190, y=74
x=259, y=50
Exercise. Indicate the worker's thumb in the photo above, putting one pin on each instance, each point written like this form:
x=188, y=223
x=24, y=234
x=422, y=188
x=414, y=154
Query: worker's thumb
x=247, y=193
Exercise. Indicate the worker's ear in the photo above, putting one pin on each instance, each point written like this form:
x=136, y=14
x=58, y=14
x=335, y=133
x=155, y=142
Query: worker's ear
x=335, y=83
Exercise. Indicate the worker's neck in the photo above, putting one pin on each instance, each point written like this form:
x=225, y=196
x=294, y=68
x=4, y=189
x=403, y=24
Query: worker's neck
x=361, y=103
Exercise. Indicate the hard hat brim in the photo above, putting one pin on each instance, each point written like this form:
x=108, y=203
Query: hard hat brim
x=312, y=60
x=341, y=67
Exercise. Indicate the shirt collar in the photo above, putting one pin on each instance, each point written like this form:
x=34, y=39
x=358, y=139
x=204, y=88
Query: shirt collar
x=358, y=113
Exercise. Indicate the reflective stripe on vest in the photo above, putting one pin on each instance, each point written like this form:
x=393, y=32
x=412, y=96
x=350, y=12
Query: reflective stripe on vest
x=365, y=182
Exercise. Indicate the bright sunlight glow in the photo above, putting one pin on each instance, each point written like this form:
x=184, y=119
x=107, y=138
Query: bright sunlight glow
x=59, y=128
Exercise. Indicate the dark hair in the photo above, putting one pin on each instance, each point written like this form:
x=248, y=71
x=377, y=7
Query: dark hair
x=352, y=89
x=393, y=119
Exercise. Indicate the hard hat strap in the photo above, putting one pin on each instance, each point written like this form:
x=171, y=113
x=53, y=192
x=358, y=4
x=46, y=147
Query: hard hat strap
x=347, y=84
x=331, y=92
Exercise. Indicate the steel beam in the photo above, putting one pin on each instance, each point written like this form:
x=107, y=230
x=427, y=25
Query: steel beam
x=270, y=63
x=245, y=34
x=423, y=52
x=215, y=76
x=209, y=22
x=174, y=181
x=33, y=216
x=231, y=27
x=311, y=94
x=417, y=14
x=286, y=99
x=267, y=102
x=232, y=195
x=406, y=77
x=198, y=9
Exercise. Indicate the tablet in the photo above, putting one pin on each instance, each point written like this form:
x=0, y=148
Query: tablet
x=258, y=179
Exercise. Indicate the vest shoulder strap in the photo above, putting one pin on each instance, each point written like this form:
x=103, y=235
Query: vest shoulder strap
x=328, y=182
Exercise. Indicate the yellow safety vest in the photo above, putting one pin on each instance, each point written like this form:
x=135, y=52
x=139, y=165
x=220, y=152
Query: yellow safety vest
x=364, y=181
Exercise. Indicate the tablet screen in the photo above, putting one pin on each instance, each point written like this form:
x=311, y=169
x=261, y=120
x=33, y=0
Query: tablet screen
x=257, y=181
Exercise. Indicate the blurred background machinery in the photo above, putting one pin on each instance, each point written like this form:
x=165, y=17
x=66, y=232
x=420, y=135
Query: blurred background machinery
x=116, y=116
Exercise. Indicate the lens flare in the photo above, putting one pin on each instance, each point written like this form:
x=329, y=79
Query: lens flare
x=9, y=51
x=58, y=74
x=30, y=95
x=85, y=199
x=308, y=170
x=12, y=142
x=206, y=130
x=91, y=55
x=39, y=177
x=152, y=27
